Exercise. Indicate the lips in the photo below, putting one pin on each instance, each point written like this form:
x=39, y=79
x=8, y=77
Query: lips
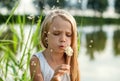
x=62, y=46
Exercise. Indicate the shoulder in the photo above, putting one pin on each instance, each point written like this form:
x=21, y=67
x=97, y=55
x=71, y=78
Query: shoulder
x=34, y=60
x=35, y=69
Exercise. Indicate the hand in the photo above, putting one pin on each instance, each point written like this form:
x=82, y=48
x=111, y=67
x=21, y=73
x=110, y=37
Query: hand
x=59, y=71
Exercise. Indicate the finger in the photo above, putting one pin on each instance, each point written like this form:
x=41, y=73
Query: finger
x=61, y=72
x=65, y=67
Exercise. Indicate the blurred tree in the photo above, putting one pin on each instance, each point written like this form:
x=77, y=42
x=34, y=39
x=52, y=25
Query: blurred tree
x=117, y=6
x=51, y=3
x=98, y=5
x=9, y=4
x=56, y=3
x=39, y=4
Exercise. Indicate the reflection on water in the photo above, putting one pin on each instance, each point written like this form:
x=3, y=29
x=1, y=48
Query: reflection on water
x=96, y=41
x=116, y=42
x=100, y=44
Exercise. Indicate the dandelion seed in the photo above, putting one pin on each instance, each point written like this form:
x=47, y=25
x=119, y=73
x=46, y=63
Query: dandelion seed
x=53, y=7
x=91, y=41
x=48, y=32
x=90, y=46
x=43, y=7
x=51, y=50
x=31, y=17
x=57, y=1
x=32, y=63
x=34, y=71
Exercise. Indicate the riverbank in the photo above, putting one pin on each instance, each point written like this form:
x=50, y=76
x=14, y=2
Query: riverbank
x=84, y=20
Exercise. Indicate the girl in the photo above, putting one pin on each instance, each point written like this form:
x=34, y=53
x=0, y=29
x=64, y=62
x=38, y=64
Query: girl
x=59, y=30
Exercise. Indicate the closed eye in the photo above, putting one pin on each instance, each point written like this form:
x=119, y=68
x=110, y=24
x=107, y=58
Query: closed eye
x=69, y=35
x=56, y=33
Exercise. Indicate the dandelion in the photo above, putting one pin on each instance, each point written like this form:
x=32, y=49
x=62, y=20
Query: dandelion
x=68, y=51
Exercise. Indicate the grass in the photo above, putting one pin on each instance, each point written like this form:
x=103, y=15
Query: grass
x=15, y=53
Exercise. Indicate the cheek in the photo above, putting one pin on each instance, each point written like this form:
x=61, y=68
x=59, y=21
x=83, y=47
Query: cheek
x=52, y=39
x=68, y=42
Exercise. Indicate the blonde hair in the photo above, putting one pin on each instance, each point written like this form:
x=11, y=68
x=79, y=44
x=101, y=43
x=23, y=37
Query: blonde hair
x=74, y=71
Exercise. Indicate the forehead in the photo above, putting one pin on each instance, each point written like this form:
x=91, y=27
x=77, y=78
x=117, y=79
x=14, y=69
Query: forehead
x=60, y=23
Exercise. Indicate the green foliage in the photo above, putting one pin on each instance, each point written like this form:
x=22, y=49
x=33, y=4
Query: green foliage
x=56, y=3
x=8, y=3
x=98, y=5
x=52, y=3
x=39, y=3
x=16, y=49
x=117, y=6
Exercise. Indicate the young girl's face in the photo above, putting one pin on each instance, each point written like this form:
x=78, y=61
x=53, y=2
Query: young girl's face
x=59, y=34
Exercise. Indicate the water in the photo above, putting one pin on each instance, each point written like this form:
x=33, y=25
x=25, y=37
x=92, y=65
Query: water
x=105, y=65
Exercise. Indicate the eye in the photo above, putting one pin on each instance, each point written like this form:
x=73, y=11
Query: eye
x=69, y=35
x=56, y=33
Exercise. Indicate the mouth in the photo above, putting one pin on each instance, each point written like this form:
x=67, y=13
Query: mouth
x=62, y=46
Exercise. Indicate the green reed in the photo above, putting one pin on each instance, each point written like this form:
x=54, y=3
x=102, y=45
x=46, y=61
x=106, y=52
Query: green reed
x=15, y=53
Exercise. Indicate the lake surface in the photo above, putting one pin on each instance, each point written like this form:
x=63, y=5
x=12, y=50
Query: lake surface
x=104, y=64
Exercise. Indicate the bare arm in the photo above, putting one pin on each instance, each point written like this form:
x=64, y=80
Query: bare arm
x=35, y=70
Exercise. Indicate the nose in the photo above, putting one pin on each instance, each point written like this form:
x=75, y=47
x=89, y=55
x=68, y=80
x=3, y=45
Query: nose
x=62, y=38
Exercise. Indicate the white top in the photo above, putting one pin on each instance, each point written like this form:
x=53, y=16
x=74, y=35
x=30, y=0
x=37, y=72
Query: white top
x=46, y=70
